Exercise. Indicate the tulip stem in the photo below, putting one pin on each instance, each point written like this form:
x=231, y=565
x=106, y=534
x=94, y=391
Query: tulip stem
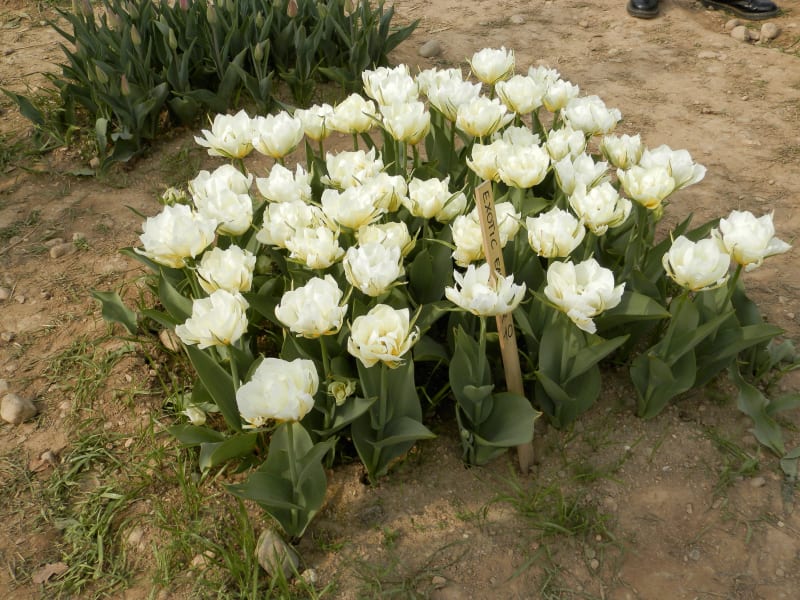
x=732, y=285
x=382, y=409
x=326, y=369
x=292, y=468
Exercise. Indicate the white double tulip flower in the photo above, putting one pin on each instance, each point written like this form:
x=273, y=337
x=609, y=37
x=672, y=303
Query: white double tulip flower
x=521, y=94
x=523, y=166
x=347, y=169
x=407, y=122
x=355, y=114
x=582, y=291
x=554, y=233
x=750, y=239
x=485, y=160
x=224, y=196
x=353, y=207
x=314, y=309
x=431, y=79
x=558, y=94
x=647, y=186
x=279, y=390
x=482, y=116
x=389, y=85
x=590, y=115
x=230, y=136
x=579, y=171
x=467, y=236
x=623, y=151
x=449, y=95
x=518, y=136
x=283, y=219
x=600, y=207
x=316, y=247
x=277, y=135
x=218, y=320
x=393, y=233
x=176, y=234
x=698, y=265
x=432, y=199
x=230, y=269
x=382, y=335
x=283, y=186
x=683, y=170
x=491, y=65
x=544, y=76
x=565, y=143
x=373, y=267
x=316, y=121
x=477, y=292
x=387, y=191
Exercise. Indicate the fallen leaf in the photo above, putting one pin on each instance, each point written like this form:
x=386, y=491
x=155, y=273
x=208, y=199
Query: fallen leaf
x=48, y=571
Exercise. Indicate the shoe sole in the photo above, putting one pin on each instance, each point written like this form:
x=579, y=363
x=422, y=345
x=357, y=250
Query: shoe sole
x=641, y=14
x=750, y=16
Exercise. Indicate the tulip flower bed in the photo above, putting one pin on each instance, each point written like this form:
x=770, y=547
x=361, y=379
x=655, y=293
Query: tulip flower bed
x=317, y=304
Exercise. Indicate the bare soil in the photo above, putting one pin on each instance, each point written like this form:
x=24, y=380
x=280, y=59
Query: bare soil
x=659, y=509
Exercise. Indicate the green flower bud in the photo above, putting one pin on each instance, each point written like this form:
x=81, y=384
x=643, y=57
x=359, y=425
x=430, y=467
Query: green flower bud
x=172, y=40
x=124, y=86
x=136, y=39
x=211, y=14
x=100, y=74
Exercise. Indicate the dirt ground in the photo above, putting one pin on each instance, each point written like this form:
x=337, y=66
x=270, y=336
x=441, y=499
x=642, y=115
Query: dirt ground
x=664, y=509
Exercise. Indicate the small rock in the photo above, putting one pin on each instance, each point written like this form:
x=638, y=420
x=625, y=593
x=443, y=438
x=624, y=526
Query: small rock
x=729, y=26
x=201, y=561
x=5, y=293
x=53, y=242
x=754, y=35
x=594, y=564
x=16, y=410
x=707, y=54
x=135, y=537
x=758, y=482
x=517, y=20
x=769, y=31
x=438, y=582
x=717, y=503
x=170, y=340
x=275, y=555
x=45, y=295
x=694, y=554
x=77, y=236
x=371, y=515
x=8, y=336
x=740, y=33
x=689, y=509
x=430, y=49
x=20, y=299
x=62, y=250
x=779, y=572
x=584, y=24
x=3, y=386
x=94, y=163
x=309, y=577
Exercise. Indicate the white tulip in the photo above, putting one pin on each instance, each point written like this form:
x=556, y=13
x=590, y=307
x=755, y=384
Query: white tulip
x=581, y=170
x=230, y=136
x=223, y=196
x=389, y=85
x=279, y=390
x=407, y=122
x=582, y=291
x=175, y=234
x=230, y=269
x=387, y=191
x=517, y=136
x=432, y=199
x=316, y=247
x=448, y=96
x=750, y=239
x=391, y=234
x=544, y=76
x=485, y=160
x=491, y=65
x=699, y=265
x=565, y=143
x=355, y=114
x=277, y=135
x=521, y=94
x=600, y=207
x=622, y=151
x=347, y=169
x=647, y=186
x=316, y=121
x=554, y=233
x=678, y=163
x=373, y=267
x=218, y=320
x=590, y=115
x=523, y=166
x=558, y=95
x=353, y=207
x=476, y=292
x=283, y=186
x=283, y=219
x=430, y=79
x=383, y=335
x=482, y=116
x=467, y=235
x=340, y=390
x=314, y=309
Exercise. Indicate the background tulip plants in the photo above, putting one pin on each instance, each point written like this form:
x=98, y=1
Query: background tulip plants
x=336, y=304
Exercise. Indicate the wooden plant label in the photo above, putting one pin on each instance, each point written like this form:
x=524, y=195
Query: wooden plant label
x=484, y=199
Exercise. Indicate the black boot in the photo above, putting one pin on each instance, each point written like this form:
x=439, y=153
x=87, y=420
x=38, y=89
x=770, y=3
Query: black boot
x=643, y=9
x=754, y=10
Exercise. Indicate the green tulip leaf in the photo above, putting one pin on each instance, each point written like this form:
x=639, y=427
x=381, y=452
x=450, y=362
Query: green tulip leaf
x=400, y=430
x=194, y=435
x=177, y=305
x=219, y=384
x=115, y=311
x=270, y=491
x=343, y=415
x=510, y=422
x=755, y=405
x=216, y=453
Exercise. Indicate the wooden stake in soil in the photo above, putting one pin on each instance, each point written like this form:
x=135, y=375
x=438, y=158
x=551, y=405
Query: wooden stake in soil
x=484, y=199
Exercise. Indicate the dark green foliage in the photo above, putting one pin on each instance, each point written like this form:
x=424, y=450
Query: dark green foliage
x=143, y=65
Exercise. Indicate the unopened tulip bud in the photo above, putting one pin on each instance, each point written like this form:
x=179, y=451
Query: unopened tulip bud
x=124, y=87
x=291, y=8
x=136, y=39
x=211, y=14
x=260, y=19
x=172, y=40
x=184, y=5
x=100, y=74
x=133, y=11
x=258, y=53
